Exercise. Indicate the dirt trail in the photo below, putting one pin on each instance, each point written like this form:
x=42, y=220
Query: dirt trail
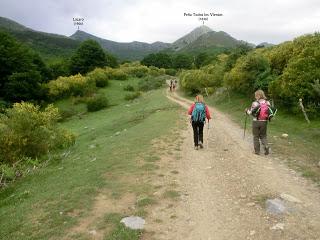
x=224, y=188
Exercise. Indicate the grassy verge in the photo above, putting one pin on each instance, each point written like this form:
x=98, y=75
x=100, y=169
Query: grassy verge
x=52, y=200
x=300, y=150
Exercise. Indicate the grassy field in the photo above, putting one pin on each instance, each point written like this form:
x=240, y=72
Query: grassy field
x=300, y=150
x=113, y=148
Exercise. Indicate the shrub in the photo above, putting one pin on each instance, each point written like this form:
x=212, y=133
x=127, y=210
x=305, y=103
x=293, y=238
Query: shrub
x=24, y=86
x=99, y=76
x=154, y=71
x=3, y=106
x=128, y=88
x=76, y=85
x=26, y=131
x=194, y=81
x=250, y=73
x=132, y=96
x=171, y=72
x=96, y=103
x=116, y=74
x=135, y=70
x=150, y=83
x=299, y=75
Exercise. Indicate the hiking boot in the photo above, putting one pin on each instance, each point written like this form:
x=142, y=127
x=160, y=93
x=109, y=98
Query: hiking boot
x=200, y=144
x=266, y=150
x=256, y=153
x=196, y=147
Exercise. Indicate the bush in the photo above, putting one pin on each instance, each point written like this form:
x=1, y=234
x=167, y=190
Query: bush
x=128, y=88
x=135, y=70
x=171, y=72
x=251, y=72
x=132, y=96
x=116, y=74
x=154, y=71
x=24, y=86
x=96, y=103
x=299, y=75
x=150, y=83
x=99, y=76
x=76, y=85
x=26, y=131
x=194, y=81
x=3, y=106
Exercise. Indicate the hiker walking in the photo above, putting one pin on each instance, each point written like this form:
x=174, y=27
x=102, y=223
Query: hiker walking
x=261, y=114
x=174, y=86
x=199, y=112
x=171, y=85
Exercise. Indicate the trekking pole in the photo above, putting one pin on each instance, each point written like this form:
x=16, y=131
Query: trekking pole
x=245, y=125
x=208, y=135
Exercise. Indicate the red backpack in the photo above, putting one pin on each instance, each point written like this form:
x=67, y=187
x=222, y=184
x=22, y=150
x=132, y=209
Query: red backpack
x=264, y=111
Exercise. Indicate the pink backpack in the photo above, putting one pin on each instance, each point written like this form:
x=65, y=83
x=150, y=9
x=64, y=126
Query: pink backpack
x=264, y=111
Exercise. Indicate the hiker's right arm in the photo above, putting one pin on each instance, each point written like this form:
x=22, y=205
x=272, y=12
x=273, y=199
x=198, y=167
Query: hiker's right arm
x=208, y=114
x=191, y=109
x=253, y=106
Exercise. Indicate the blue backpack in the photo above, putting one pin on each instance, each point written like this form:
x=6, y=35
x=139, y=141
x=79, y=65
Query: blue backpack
x=199, y=112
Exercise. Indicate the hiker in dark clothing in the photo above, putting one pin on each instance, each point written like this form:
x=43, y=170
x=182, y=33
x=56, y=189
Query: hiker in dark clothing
x=171, y=85
x=259, y=111
x=199, y=112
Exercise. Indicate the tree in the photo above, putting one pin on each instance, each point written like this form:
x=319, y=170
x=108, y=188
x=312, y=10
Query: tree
x=24, y=86
x=88, y=56
x=182, y=61
x=159, y=60
x=59, y=69
x=21, y=70
x=111, y=60
x=13, y=58
x=201, y=59
x=251, y=72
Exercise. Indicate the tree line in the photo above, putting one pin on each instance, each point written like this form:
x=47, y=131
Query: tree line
x=23, y=72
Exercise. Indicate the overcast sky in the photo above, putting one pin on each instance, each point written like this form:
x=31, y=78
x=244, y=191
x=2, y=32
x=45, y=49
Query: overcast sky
x=254, y=21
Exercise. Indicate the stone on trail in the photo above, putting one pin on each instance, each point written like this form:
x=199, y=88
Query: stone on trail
x=278, y=226
x=117, y=133
x=93, y=232
x=276, y=206
x=133, y=222
x=284, y=135
x=243, y=196
x=290, y=198
x=251, y=204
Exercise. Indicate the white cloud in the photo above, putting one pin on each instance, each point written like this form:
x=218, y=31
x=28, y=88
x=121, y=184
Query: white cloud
x=148, y=20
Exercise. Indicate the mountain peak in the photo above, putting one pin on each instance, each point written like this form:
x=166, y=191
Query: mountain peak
x=191, y=37
x=203, y=28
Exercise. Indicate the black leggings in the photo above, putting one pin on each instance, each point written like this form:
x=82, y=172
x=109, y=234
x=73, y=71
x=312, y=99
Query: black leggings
x=197, y=132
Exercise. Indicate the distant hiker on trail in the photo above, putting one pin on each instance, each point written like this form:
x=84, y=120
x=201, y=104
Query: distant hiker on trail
x=174, y=85
x=171, y=85
x=261, y=112
x=199, y=112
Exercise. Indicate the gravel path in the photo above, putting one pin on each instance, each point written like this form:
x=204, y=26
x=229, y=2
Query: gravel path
x=225, y=187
